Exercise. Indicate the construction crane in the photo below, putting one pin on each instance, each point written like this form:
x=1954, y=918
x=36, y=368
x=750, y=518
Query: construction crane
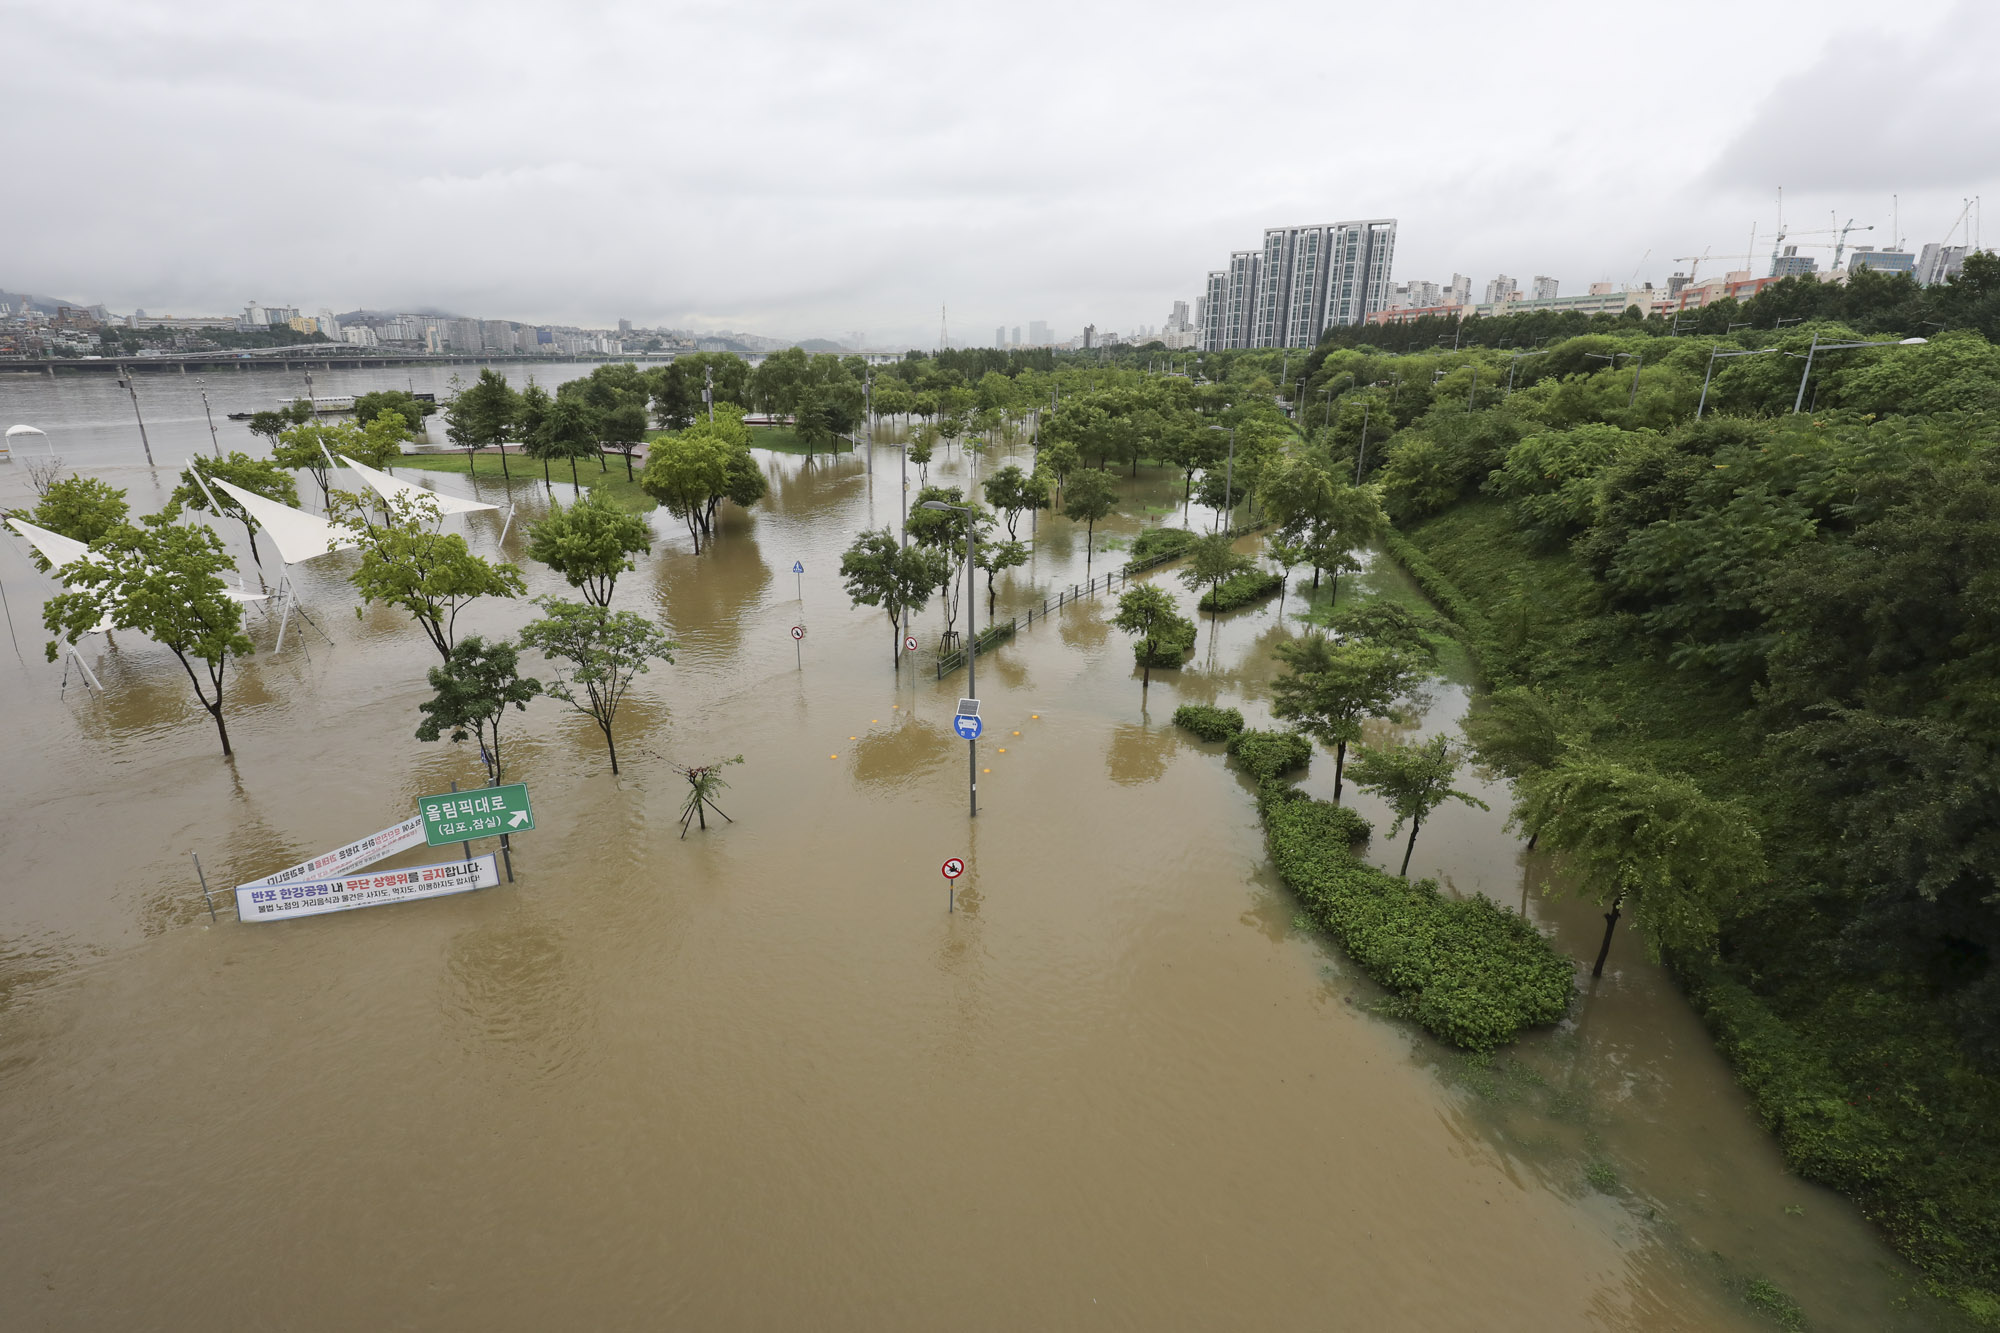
x=1777, y=246
x=1696, y=261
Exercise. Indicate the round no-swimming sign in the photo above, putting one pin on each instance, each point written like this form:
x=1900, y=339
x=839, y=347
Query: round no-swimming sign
x=910, y=644
x=798, y=631
x=954, y=868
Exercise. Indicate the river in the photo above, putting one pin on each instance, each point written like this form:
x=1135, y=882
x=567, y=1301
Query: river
x=761, y=1077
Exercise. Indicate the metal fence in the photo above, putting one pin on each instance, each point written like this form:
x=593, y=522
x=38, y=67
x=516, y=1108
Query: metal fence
x=952, y=659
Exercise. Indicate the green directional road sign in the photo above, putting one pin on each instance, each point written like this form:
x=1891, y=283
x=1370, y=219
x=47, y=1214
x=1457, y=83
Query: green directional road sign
x=483, y=812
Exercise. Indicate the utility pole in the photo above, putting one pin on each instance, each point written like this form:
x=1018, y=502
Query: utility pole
x=708, y=391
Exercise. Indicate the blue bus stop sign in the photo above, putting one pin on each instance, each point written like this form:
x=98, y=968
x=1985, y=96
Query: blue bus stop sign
x=968, y=727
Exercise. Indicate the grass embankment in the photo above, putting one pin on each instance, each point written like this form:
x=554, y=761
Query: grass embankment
x=486, y=467
x=1466, y=970
x=778, y=439
x=1865, y=1087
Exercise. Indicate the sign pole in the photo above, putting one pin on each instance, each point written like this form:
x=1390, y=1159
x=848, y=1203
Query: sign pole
x=467, y=844
x=204, y=886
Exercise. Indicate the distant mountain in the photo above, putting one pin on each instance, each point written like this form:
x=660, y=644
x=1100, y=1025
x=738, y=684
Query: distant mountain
x=824, y=345
x=45, y=304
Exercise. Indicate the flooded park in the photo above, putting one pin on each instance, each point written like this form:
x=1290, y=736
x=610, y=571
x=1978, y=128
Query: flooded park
x=763, y=1077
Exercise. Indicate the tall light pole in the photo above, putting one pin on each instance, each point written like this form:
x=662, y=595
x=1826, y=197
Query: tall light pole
x=1717, y=354
x=212, y=439
x=134, y=391
x=971, y=636
x=1798, y=404
x=1613, y=358
x=1510, y=366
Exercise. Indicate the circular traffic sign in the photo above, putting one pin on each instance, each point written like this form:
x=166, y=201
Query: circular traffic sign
x=798, y=631
x=954, y=868
x=910, y=644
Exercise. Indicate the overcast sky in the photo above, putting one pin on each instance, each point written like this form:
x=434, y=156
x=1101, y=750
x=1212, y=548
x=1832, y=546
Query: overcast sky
x=811, y=170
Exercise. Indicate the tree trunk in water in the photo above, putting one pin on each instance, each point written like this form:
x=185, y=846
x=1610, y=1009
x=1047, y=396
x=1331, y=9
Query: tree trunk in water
x=545, y=473
x=506, y=477
x=1610, y=924
x=1533, y=838
x=220, y=730
x=1333, y=590
x=572, y=473
x=612, y=746
x=1339, y=766
x=1409, y=847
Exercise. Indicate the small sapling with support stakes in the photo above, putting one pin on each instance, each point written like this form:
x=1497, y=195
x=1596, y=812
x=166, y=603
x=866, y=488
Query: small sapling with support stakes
x=704, y=780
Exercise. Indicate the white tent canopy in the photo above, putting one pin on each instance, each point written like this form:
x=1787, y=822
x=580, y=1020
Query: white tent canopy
x=389, y=488
x=12, y=431
x=298, y=535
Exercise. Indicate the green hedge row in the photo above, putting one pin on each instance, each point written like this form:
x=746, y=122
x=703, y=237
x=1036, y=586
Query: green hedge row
x=1207, y=722
x=1241, y=590
x=1469, y=620
x=1466, y=969
x=1156, y=542
x=1265, y=755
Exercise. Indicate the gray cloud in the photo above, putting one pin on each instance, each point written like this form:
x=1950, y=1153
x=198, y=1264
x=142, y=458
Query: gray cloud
x=807, y=169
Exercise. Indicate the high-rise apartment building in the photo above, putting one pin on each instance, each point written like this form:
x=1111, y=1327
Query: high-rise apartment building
x=1792, y=264
x=1000, y=336
x=1545, y=288
x=1017, y=335
x=1301, y=281
x=1500, y=289
x=1937, y=262
x=1039, y=334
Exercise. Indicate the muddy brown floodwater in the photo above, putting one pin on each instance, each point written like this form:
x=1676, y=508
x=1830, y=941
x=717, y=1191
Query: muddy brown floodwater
x=761, y=1078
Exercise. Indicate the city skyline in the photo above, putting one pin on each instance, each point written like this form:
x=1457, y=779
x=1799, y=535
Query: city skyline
x=340, y=179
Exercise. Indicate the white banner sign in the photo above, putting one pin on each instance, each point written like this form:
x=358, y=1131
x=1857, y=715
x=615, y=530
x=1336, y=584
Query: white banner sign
x=366, y=852
x=281, y=902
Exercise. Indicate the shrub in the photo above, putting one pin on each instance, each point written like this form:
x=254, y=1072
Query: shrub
x=1465, y=969
x=1265, y=755
x=1241, y=590
x=1208, y=722
x=1161, y=543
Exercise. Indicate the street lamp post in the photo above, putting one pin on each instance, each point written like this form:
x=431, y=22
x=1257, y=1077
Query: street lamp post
x=212, y=439
x=1612, y=357
x=133, y=389
x=1717, y=354
x=971, y=637
x=1510, y=366
x=1798, y=404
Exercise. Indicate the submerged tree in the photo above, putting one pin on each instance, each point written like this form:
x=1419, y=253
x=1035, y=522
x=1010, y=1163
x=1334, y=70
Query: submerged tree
x=899, y=579
x=165, y=581
x=1091, y=494
x=1649, y=841
x=1144, y=612
x=472, y=691
x=1413, y=779
x=596, y=653
x=80, y=508
x=704, y=780
x=1211, y=559
x=1329, y=688
x=433, y=575
x=259, y=476
x=590, y=543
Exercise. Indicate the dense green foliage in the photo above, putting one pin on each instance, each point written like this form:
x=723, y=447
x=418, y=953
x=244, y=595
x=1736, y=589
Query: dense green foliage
x=1266, y=755
x=1170, y=645
x=1209, y=722
x=1745, y=665
x=1156, y=542
x=1238, y=590
x=1465, y=969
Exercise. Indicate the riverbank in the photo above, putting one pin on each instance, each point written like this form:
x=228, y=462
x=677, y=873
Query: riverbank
x=1860, y=1081
x=486, y=467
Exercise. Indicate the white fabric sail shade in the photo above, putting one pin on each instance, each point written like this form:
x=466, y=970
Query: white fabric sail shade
x=299, y=536
x=389, y=488
x=59, y=550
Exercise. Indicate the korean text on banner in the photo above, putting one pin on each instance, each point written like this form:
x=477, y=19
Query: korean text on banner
x=281, y=902
x=362, y=852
